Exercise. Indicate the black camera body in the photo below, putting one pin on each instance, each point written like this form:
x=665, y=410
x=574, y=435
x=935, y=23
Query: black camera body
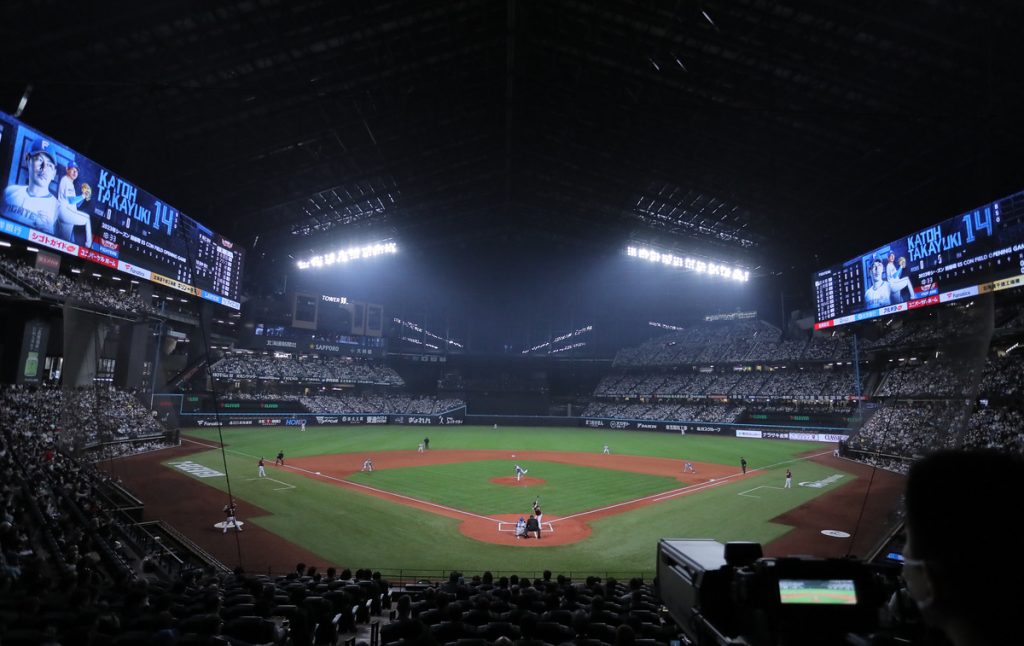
x=728, y=594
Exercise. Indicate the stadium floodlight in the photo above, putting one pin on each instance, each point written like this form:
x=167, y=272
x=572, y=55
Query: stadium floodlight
x=347, y=254
x=668, y=259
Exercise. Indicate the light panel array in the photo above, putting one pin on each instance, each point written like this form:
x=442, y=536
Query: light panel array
x=692, y=264
x=349, y=254
x=559, y=339
x=416, y=328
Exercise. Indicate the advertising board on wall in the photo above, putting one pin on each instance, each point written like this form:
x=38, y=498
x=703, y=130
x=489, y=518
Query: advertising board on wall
x=59, y=199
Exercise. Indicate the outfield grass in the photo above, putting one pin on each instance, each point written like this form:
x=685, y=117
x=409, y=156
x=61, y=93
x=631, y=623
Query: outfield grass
x=350, y=529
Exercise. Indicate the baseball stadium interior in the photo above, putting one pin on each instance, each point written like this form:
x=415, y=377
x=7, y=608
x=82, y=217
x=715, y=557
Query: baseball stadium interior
x=714, y=281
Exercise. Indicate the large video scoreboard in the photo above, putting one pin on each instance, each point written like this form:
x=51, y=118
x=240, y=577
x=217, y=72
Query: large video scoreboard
x=973, y=253
x=59, y=199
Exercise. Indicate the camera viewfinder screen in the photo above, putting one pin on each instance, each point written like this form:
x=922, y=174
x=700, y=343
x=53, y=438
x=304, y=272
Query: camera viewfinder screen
x=818, y=591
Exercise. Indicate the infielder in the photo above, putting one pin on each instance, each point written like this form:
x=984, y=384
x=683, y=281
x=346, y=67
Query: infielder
x=520, y=472
x=229, y=521
x=263, y=470
x=606, y=450
x=789, y=479
x=688, y=468
x=419, y=449
x=368, y=465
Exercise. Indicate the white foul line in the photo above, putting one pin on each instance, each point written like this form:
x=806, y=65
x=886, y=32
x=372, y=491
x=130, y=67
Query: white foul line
x=658, y=497
x=349, y=483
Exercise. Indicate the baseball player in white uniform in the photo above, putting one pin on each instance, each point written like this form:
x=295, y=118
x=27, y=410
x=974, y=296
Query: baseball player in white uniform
x=33, y=205
x=68, y=200
x=520, y=472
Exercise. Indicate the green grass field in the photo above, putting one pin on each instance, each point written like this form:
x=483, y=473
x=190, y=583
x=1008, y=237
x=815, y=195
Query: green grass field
x=348, y=528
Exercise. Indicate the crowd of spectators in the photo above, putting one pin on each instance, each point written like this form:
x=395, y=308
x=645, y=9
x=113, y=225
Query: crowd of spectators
x=84, y=416
x=666, y=412
x=73, y=570
x=909, y=429
x=305, y=370
x=81, y=292
x=935, y=378
x=516, y=609
x=995, y=428
x=1003, y=376
x=380, y=404
x=784, y=384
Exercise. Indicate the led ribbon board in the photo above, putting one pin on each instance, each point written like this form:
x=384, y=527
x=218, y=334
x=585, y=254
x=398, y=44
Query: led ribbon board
x=59, y=199
x=973, y=253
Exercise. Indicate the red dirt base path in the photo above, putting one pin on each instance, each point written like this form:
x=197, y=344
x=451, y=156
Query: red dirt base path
x=192, y=507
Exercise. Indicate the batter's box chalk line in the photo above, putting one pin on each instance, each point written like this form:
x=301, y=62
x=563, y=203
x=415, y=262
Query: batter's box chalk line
x=511, y=527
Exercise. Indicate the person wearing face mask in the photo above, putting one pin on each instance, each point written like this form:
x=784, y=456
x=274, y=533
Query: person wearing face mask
x=961, y=564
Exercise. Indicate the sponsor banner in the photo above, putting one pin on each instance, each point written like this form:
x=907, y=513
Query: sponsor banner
x=48, y=262
x=923, y=302
x=594, y=423
x=376, y=419
x=98, y=258
x=269, y=421
x=740, y=432
x=619, y=424
x=806, y=437
x=170, y=282
x=14, y=229
x=53, y=243
x=278, y=343
x=646, y=426
x=326, y=419
x=33, y=351
x=1008, y=283
x=450, y=420
x=775, y=435
x=957, y=294
x=703, y=429
x=832, y=437
x=134, y=270
x=197, y=470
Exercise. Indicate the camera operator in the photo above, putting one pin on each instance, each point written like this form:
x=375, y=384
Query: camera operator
x=957, y=503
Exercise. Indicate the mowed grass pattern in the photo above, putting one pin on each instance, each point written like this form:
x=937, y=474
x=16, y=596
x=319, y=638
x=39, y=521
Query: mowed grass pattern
x=350, y=529
x=466, y=486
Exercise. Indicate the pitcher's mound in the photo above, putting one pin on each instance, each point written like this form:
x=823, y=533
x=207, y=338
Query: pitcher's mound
x=526, y=481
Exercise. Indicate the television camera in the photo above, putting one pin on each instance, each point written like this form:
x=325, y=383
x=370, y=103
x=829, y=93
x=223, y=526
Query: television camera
x=729, y=595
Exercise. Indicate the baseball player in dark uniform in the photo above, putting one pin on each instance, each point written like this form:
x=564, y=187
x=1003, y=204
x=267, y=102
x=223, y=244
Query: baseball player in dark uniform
x=262, y=470
x=230, y=510
x=279, y=460
x=743, y=464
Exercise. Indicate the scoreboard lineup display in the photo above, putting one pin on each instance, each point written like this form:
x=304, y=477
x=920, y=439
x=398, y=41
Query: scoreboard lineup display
x=973, y=253
x=59, y=199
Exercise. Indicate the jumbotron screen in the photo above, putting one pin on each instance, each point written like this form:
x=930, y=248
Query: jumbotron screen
x=59, y=199
x=973, y=253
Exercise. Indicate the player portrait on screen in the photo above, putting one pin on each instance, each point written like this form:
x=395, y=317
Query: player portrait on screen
x=899, y=285
x=33, y=204
x=69, y=214
x=877, y=293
